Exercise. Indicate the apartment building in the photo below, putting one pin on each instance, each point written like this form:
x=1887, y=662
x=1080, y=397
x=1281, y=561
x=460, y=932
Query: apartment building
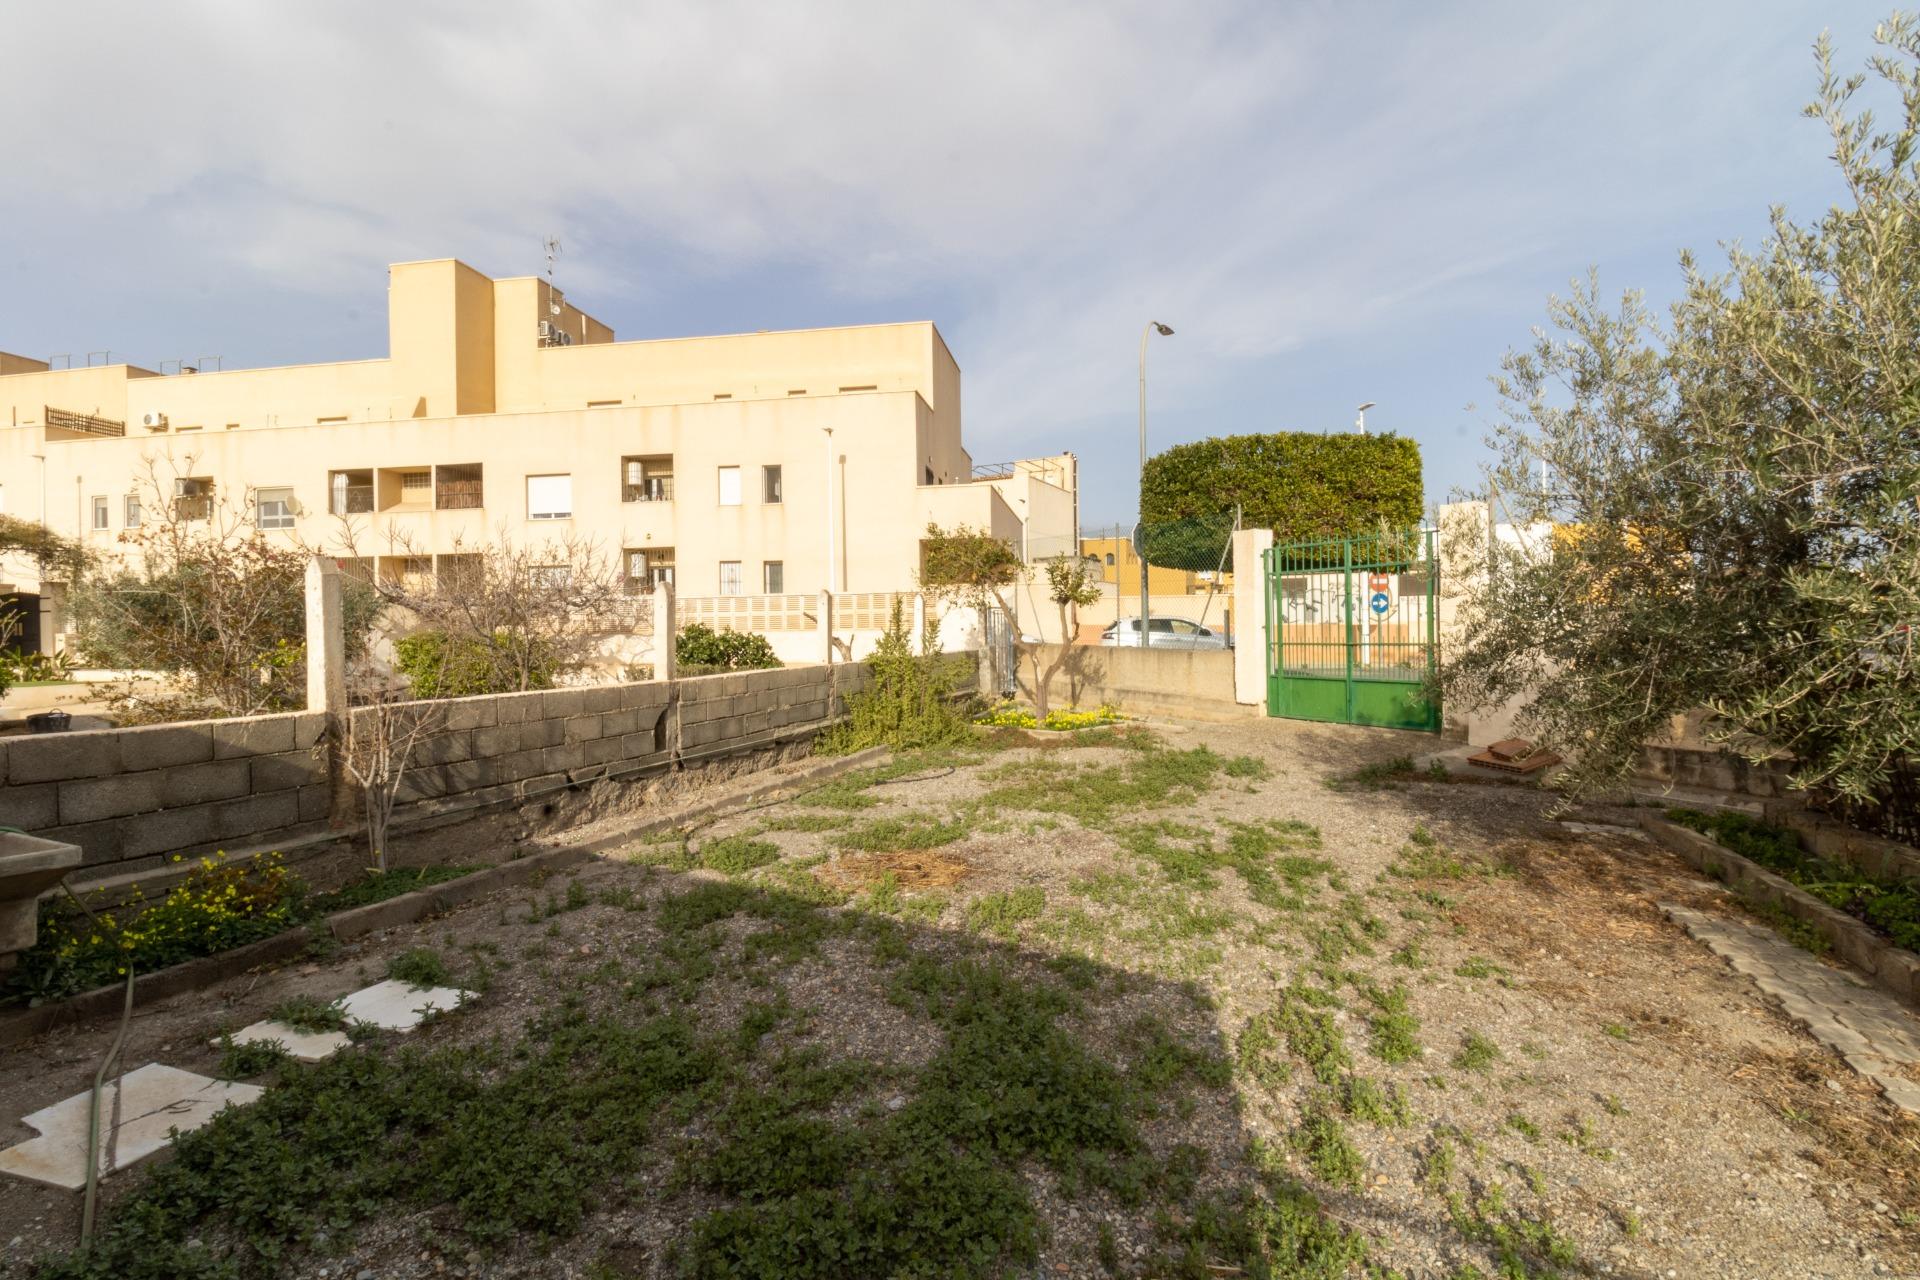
x=761, y=463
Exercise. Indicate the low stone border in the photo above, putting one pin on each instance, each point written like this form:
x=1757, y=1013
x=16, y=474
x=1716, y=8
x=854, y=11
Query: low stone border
x=1890, y=968
x=1869, y=1029
x=193, y=975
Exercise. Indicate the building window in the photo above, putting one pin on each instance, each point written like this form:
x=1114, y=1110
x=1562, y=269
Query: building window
x=415, y=486
x=869, y=387
x=100, y=513
x=729, y=486
x=773, y=575
x=193, y=498
x=350, y=492
x=273, y=508
x=798, y=391
x=773, y=484
x=550, y=497
x=132, y=511
x=730, y=577
x=603, y=404
x=723, y=395
x=1109, y=559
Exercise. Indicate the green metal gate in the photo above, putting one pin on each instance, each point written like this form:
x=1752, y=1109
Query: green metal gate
x=1353, y=630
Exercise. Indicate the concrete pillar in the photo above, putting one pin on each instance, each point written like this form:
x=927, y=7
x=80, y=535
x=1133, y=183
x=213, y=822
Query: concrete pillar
x=326, y=639
x=327, y=680
x=825, y=617
x=918, y=636
x=666, y=629
x=1250, y=640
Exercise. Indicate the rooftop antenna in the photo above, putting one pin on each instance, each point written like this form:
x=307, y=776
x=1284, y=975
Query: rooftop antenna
x=552, y=245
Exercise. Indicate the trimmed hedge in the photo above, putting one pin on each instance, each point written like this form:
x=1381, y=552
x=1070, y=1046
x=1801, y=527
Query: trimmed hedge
x=1298, y=484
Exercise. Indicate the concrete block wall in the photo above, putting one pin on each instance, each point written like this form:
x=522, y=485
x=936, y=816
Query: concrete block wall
x=1185, y=682
x=132, y=798
x=508, y=745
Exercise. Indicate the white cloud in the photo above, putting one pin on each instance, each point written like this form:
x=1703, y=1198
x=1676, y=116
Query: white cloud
x=1261, y=176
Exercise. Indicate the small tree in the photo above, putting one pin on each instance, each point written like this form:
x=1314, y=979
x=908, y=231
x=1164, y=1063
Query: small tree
x=384, y=734
x=972, y=568
x=51, y=554
x=976, y=568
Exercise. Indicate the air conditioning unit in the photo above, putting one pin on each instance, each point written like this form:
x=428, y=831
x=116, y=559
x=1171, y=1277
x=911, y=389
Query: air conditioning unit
x=154, y=421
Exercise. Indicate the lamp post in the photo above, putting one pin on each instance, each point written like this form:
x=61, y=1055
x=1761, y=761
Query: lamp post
x=1360, y=423
x=1140, y=529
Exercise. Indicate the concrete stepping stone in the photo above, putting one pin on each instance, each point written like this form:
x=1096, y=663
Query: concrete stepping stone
x=1605, y=829
x=307, y=1046
x=138, y=1113
x=398, y=1006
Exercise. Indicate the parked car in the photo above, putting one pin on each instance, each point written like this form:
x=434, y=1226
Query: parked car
x=1165, y=633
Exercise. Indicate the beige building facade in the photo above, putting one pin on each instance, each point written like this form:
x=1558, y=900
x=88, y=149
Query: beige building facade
x=764, y=463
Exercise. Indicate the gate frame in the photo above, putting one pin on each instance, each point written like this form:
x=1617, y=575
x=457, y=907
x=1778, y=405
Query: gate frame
x=1361, y=699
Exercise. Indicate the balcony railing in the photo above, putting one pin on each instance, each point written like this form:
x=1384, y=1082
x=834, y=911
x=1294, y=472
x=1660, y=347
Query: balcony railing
x=457, y=495
x=652, y=489
x=355, y=499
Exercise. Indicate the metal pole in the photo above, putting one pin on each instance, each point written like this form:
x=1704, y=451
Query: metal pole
x=1146, y=606
x=832, y=585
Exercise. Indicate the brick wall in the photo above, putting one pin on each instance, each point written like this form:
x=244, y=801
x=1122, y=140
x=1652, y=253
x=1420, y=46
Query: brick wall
x=133, y=798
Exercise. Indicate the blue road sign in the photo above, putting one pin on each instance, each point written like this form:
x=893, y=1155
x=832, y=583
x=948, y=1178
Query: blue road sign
x=1380, y=602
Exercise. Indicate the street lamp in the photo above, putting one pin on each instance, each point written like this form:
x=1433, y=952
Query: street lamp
x=1360, y=423
x=1140, y=535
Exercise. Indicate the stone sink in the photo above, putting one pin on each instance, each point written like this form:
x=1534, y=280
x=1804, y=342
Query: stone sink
x=29, y=866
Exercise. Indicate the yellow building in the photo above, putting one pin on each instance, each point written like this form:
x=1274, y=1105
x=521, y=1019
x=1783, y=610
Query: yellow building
x=763, y=463
x=1120, y=566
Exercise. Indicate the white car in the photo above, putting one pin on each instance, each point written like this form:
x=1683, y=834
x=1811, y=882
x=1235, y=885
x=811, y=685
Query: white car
x=1165, y=633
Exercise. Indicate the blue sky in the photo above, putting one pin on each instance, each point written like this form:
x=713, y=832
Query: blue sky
x=1329, y=202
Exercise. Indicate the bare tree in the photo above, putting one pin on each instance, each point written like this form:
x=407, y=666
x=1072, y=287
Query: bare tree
x=499, y=616
x=384, y=736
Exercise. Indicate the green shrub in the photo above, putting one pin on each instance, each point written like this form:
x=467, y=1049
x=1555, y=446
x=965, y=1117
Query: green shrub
x=219, y=906
x=699, y=649
x=911, y=702
x=438, y=665
x=1299, y=484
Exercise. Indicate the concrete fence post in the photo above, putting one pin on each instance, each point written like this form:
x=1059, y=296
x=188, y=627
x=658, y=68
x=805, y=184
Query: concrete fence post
x=666, y=629
x=327, y=679
x=1250, y=639
x=826, y=627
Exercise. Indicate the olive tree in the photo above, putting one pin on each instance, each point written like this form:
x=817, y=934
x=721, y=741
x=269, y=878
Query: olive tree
x=1731, y=488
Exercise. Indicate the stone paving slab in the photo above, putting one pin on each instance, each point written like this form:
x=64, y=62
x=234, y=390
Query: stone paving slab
x=138, y=1113
x=397, y=1006
x=1874, y=1032
x=308, y=1046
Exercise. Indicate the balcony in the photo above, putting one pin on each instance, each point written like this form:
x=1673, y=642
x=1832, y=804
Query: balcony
x=350, y=493
x=457, y=487
x=646, y=569
x=646, y=478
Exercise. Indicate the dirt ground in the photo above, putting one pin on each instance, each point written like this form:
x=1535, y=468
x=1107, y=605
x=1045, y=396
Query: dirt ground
x=1586, y=1092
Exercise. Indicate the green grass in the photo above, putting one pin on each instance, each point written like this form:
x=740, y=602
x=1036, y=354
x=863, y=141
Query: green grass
x=305, y=1013
x=913, y=830
x=1154, y=777
x=419, y=967
x=1376, y=1104
x=1001, y=914
x=1890, y=908
x=378, y=886
x=1322, y=1139
x=1395, y=1031
x=1477, y=1053
x=737, y=854
x=245, y=1061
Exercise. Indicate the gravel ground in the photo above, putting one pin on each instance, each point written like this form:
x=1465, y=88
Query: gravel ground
x=1637, y=1097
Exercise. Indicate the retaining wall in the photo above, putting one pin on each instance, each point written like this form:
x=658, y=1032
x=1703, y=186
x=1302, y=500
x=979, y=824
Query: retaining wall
x=1193, y=683
x=132, y=799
